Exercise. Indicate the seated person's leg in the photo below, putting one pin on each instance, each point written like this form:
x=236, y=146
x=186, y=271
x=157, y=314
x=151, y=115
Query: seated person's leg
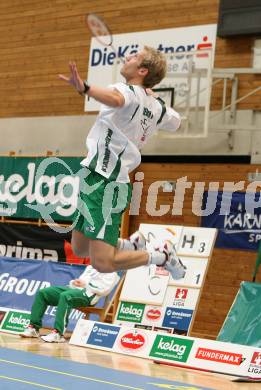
x=72, y=298
x=43, y=298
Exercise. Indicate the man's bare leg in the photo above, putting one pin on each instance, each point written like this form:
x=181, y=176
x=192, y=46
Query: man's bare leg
x=106, y=258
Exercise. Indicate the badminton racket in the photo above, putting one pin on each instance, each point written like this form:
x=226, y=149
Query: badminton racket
x=100, y=30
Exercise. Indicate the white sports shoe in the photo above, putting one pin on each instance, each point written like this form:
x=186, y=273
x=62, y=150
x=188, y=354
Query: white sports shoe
x=138, y=241
x=53, y=337
x=172, y=263
x=30, y=332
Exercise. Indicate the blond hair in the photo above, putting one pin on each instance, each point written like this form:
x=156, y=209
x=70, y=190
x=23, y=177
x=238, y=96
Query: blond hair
x=156, y=64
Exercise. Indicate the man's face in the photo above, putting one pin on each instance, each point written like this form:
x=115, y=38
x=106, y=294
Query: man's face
x=131, y=68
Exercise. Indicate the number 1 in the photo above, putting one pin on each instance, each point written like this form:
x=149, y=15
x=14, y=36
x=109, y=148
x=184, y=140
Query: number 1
x=197, y=278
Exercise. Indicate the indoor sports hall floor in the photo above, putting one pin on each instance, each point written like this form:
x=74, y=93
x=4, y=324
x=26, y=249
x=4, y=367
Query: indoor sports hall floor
x=33, y=364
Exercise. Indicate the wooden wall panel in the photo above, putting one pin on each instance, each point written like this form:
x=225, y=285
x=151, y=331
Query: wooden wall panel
x=228, y=267
x=39, y=37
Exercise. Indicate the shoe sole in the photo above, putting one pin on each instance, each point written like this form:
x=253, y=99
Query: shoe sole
x=60, y=341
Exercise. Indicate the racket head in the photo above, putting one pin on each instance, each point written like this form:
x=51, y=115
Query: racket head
x=99, y=29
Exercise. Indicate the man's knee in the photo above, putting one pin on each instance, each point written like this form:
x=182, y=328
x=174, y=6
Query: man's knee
x=41, y=292
x=79, y=250
x=65, y=296
x=80, y=244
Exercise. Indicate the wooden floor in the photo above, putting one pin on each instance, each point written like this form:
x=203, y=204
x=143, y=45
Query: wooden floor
x=124, y=363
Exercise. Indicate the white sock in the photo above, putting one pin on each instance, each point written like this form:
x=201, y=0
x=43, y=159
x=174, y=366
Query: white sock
x=125, y=245
x=157, y=258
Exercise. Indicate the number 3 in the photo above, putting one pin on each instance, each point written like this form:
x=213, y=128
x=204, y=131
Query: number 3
x=202, y=246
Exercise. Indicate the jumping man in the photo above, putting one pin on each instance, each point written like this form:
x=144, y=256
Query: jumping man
x=129, y=115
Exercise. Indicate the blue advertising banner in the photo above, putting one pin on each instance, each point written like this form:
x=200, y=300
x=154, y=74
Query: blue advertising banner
x=21, y=279
x=177, y=318
x=103, y=335
x=237, y=227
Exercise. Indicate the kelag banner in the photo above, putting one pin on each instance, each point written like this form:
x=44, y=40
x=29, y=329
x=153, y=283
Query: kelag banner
x=19, y=282
x=32, y=185
x=24, y=241
x=237, y=228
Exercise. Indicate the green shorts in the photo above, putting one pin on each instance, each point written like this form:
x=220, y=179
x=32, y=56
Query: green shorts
x=101, y=204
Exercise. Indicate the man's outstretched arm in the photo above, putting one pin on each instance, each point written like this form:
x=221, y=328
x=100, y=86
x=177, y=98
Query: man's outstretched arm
x=109, y=97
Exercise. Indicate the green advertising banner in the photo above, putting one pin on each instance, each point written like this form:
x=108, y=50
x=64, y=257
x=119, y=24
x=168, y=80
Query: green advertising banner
x=171, y=348
x=131, y=312
x=40, y=187
x=16, y=321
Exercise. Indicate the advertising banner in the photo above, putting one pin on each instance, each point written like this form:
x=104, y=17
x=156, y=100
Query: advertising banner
x=130, y=312
x=208, y=355
x=238, y=228
x=103, y=335
x=24, y=241
x=178, y=319
x=15, y=321
x=153, y=316
x=33, y=186
x=181, y=297
x=103, y=69
x=19, y=282
x=174, y=314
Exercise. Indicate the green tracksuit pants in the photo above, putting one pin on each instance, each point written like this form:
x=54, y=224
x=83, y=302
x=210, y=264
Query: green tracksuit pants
x=64, y=297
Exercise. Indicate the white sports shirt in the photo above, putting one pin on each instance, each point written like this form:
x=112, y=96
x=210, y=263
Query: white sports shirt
x=97, y=283
x=118, y=134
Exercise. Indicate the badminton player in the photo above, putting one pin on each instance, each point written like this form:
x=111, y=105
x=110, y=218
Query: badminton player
x=130, y=114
